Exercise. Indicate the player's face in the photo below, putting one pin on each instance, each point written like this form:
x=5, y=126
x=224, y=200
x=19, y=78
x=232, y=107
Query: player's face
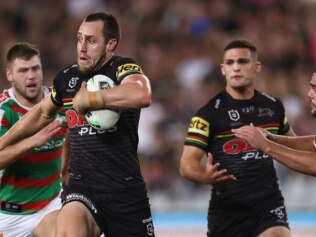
x=240, y=68
x=312, y=94
x=26, y=77
x=91, y=46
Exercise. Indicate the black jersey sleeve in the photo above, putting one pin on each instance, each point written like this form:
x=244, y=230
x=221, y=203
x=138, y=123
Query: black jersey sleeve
x=55, y=98
x=56, y=90
x=126, y=67
x=285, y=126
x=199, y=130
x=55, y=95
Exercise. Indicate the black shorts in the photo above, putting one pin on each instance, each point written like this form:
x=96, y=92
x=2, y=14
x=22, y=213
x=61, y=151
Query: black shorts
x=227, y=219
x=117, y=214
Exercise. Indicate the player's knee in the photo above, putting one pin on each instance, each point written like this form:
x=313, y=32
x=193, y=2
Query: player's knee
x=43, y=231
x=46, y=227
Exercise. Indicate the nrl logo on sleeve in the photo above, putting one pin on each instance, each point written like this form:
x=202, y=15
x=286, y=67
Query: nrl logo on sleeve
x=200, y=126
x=128, y=68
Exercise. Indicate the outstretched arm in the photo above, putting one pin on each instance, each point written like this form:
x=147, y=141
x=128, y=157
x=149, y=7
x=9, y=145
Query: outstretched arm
x=12, y=153
x=192, y=169
x=296, y=159
x=33, y=121
x=304, y=143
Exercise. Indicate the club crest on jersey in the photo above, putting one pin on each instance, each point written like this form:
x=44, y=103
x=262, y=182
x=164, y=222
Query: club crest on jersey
x=265, y=112
x=234, y=115
x=73, y=82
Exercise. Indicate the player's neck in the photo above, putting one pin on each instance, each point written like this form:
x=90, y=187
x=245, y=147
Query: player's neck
x=29, y=103
x=101, y=63
x=241, y=93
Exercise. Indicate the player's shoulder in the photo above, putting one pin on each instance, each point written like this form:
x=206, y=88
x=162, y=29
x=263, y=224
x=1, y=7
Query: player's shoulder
x=216, y=102
x=5, y=97
x=69, y=70
x=125, y=66
x=117, y=60
x=67, y=77
x=268, y=97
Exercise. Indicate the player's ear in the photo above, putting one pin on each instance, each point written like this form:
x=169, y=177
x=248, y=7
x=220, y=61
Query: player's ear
x=9, y=75
x=111, y=45
x=222, y=69
x=258, y=66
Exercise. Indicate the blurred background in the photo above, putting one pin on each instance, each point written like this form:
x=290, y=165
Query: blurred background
x=179, y=45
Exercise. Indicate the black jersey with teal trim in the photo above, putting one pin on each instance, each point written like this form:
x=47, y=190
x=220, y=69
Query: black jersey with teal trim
x=101, y=159
x=210, y=130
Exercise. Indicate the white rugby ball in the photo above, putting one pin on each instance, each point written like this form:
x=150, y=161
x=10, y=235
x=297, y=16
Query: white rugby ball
x=101, y=118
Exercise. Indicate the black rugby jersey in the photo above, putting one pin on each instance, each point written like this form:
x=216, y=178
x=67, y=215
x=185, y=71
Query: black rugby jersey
x=101, y=159
x=210, y=130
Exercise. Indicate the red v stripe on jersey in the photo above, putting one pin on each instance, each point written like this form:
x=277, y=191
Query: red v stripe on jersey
x=18, y=109
x=29, y=183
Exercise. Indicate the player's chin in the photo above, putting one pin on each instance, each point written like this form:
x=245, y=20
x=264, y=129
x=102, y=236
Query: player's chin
x=84, y=69
x=33, y=92
x=239, y=86
x=31, y=97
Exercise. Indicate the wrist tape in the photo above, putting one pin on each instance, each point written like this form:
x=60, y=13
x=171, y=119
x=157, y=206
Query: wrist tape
x=95, y=99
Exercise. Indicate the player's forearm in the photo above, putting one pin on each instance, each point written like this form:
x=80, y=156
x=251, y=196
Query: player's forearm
x=302, y=161
x=193, y=172
x=133, y=94
x=14, y=152
x=304, y=143
x=28, y=125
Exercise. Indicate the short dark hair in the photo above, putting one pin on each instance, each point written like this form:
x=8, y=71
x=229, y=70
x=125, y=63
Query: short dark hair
x=111, y=28
x=22, y=50
x=241, y=43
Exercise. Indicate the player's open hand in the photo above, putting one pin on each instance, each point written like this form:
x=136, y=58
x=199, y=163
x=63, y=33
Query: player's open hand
x=46, y=133
x=253, y=135
x=214, y=173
